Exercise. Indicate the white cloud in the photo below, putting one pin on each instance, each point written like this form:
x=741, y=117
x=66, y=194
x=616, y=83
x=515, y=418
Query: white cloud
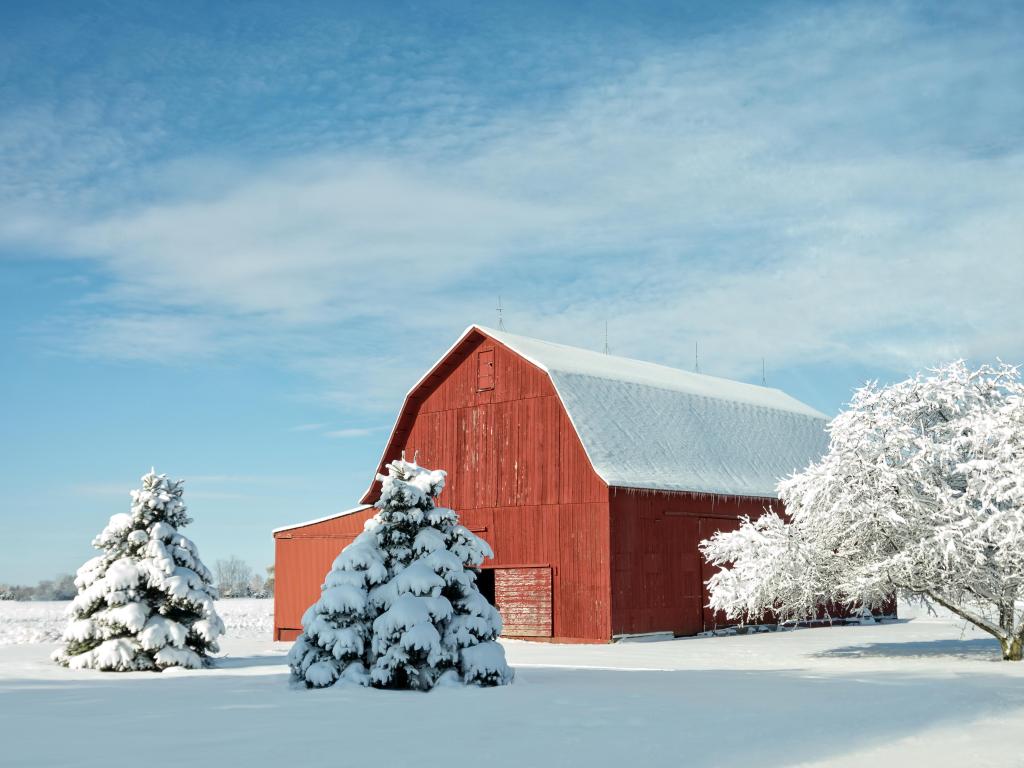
x=122, y=490
x=352, y=432
x=197, y=487
x=160, y=337
x=837, y=186
x=239, y=479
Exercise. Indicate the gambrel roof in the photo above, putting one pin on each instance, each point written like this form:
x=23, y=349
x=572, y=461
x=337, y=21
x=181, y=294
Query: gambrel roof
x=645, y=425
x=648, y=426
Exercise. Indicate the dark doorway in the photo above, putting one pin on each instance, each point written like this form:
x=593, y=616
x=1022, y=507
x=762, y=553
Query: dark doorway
x=485, y=582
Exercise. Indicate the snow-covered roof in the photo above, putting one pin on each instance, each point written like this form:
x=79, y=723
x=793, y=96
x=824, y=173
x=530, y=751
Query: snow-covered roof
x=645, y=425
x=336, y=515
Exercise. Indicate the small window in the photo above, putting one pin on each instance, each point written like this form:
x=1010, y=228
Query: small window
x=485, y=370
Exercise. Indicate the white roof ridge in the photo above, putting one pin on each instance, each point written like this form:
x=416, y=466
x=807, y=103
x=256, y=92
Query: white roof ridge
x=659, y=375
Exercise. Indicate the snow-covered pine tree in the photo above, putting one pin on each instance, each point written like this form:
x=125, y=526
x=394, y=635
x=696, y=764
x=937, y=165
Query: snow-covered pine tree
x=337, y=628
x=921, y=492
x=146, y=603
x=400, y=607
x=434, y=622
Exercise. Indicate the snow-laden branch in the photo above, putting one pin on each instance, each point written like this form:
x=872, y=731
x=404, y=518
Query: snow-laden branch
x=400, y=607
x=921, y=490
x=146, y=602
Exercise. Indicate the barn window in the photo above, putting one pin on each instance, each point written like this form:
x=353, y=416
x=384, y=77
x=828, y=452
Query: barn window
x=485, y=370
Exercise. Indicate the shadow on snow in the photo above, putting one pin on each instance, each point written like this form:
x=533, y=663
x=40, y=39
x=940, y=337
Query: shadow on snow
x=976, y=649
x=550, y=716
x=244, y=662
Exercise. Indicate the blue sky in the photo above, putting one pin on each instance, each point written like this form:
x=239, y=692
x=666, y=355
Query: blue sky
x=231, y=236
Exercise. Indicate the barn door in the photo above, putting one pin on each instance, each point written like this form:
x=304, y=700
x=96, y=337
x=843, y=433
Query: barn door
x=523, y=597
x=708, y=527
x=485, y=370
x=673, y=573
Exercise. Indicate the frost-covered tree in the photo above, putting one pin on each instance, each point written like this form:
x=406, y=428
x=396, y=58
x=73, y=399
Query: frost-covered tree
x=146, y=603
x=268, y=585
x=232, y=577
x=257, y=587
x=921, y=493
x=400, y=607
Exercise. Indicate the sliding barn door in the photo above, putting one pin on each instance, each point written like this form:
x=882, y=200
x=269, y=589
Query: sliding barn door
x=523, y=597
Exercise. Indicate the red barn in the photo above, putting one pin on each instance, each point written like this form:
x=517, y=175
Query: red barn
x=593, y=478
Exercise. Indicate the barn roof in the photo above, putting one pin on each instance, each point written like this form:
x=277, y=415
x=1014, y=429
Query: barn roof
x=323, y=519
x=645, y=425
x=648, y=426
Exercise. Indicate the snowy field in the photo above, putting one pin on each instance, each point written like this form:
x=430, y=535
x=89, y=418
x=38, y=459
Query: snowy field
x=43, y=622
x=924, y=692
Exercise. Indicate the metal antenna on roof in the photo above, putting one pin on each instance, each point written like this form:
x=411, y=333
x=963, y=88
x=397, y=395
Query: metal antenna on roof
x=696, y=357
x=606, y=337
x=501, y=320
x=763, y=380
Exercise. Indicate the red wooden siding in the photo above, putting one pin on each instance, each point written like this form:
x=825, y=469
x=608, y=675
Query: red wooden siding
x=582, y=599
x=657, y=572
x=302, y=558
x=517, y=475
x=449, y=398
x=498, y=450
x=523, y=596
x=596, y=562
x=485, y=369
x=513, y=458
x=708, y=526
x=578, y=483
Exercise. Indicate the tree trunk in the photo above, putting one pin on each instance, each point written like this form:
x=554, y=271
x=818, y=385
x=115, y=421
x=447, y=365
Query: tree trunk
x=1012, y=648
x=1012, y=644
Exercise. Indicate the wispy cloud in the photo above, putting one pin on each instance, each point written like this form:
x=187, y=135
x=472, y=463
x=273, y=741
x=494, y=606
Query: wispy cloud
x=821, y=187
x=240, y=479
x=102, y=489
x=352, y=432
x=205, y=487
x=311, y=203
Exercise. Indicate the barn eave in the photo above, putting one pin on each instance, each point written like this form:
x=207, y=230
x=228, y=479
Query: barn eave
x=335, y=516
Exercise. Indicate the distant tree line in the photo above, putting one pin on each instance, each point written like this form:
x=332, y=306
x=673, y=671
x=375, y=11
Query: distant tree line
x=234, y=578
x=60, y=588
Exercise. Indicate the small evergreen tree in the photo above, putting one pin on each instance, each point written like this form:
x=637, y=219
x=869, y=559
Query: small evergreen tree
x=400, y=607
x=336, y=629
x=146, y=603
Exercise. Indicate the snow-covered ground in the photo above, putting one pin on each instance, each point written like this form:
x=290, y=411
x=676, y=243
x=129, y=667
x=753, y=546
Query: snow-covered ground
x=925, y=692
x=43, y=622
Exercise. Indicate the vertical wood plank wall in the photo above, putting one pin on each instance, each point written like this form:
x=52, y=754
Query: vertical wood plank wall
x=517, y=472
x=517, y=475
x=657, y=570
x=621, y=562
x=523, y=595
x=302, y=558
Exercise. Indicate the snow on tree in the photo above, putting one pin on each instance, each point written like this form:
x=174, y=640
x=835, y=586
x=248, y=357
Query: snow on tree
x=337, y=628
x=232, y=577
x=146, y=603
x=400, y=607
x=921, y=493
